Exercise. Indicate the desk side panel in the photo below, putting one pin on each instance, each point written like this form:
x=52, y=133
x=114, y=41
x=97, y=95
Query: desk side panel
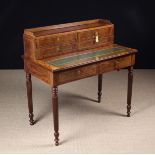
x=29, y=47
x=38, y=71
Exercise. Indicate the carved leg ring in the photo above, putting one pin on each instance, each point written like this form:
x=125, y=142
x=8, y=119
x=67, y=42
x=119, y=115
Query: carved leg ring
x=99, y=87
x=29, y=97
x=55, y=114
x=129, y=95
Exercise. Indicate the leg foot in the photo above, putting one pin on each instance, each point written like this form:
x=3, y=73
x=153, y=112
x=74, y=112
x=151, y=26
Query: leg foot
x=99, y=87
x=31, y=119
x=55, y=114
x=129, y=95
x=29, y=97
x=56, y=135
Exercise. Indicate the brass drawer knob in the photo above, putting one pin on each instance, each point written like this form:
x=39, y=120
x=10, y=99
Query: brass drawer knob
x=58, y=38
x=58, y=48
x=96, y=58
x=79, y=72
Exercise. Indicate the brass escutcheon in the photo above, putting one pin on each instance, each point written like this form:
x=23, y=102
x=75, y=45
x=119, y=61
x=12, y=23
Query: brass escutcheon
x=96, y=37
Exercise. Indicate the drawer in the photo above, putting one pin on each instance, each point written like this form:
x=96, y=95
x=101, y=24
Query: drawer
x=86, y=39
x=115, y=64
x=46, y=52
x=92, y=69
x=48, y=41
x=54, y=51
x=55, y=45
x=75, y=74
x=67, y=43
x=56, y=40
x=95, y=38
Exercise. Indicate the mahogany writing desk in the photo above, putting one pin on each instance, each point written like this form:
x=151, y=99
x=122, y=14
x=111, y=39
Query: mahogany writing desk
x=63, y=53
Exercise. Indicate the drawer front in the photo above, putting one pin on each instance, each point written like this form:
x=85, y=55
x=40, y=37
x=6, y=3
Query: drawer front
x=67, y=43
x=46, y=52
x=95, y=38
x=55, y=45
x=47, y=42
x=56, y=40
x=75, y=74
x=86, y=39
x=115, y=64
x=93, y=69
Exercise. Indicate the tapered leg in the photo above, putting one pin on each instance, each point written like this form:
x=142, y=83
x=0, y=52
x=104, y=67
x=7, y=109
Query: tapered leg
x=29, y=97
x=129, y=95
x=99, y=87
x=55, y=114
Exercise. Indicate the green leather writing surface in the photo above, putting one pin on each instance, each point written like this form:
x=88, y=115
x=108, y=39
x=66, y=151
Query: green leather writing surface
x=84, y=56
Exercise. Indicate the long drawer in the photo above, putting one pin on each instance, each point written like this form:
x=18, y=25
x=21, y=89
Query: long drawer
x=93, y=69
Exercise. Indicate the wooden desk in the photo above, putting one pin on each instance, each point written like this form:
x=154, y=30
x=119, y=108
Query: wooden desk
x=63, y=53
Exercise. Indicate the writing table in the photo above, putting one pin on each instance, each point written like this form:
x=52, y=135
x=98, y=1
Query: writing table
x=63, y=53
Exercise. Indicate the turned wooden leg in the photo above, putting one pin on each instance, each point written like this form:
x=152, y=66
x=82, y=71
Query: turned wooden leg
x=129, y=95
x=29, y=97
x=55, y=114
x=99, y=87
